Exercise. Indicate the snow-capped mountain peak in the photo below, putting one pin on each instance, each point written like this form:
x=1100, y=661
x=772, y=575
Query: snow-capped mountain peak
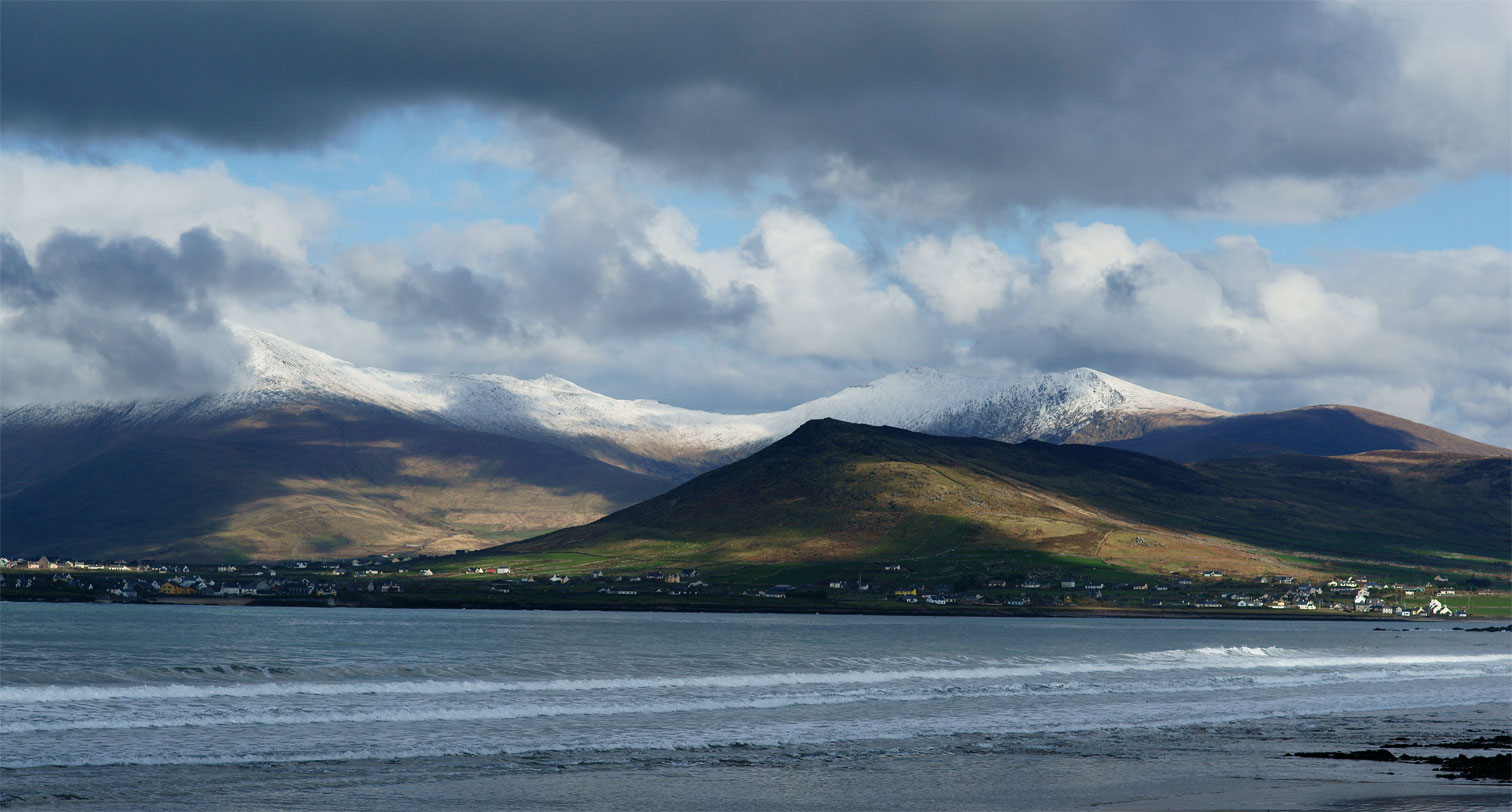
x=1051, y=407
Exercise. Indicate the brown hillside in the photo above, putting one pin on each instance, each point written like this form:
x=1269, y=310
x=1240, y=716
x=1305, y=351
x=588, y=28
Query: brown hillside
x=306, y=482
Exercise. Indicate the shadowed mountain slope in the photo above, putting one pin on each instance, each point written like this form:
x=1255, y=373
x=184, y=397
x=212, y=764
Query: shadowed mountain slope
x=1315, y=430
x=296, y=482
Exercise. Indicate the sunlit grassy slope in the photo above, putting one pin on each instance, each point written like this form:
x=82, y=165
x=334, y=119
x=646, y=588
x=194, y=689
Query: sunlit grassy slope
x=834, y=492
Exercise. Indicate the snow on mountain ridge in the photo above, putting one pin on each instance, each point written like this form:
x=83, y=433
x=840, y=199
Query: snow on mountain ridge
x=546, y=406
x=1051, y=407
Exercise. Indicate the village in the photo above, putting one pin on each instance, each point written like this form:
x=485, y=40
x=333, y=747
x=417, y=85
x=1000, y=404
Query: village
x=388, y=578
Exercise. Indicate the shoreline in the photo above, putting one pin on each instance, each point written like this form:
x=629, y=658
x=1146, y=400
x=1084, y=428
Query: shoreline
x=705, y=607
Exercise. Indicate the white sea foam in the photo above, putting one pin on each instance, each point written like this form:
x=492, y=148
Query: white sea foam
x=476, y=713
x=1015, y=721
x=1223, y=653
x=1191, y=659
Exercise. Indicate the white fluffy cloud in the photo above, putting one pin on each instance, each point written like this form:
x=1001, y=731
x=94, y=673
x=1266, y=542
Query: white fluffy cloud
x=820, y=298
x=963, y=277
x=43, y=195
x=1100, y=299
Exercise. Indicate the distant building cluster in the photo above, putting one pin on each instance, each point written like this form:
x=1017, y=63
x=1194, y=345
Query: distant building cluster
x=1205, y=590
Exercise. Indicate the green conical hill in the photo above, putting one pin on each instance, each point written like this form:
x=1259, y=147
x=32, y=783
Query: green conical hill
x=835, y=491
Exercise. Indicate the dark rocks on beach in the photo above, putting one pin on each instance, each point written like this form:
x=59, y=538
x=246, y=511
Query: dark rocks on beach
x=1357, y=755
x=1471, y=768
x=1475, y=768
x=1507, y=628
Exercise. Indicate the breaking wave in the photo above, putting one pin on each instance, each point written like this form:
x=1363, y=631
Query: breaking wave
x=1177, y=660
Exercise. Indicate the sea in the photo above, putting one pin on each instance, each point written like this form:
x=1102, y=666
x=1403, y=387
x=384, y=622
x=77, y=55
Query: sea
x=112, y=706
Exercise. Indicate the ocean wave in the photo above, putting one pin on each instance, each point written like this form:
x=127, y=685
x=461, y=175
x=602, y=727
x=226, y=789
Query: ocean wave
x=527, y=708
x=1165, y=715
x=480, y=713
x=1216, y=652
x=1183, y=660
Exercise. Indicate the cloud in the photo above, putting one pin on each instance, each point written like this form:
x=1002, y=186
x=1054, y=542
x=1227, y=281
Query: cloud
x=823, y=300
x=1292, y=199
x=121, y=320
x=962, y=278
x=603, y=265
x=617, y=293
x=377, y=283
x=42, y=196
x=595, y=271
x=1101, y=300
x=918, y=111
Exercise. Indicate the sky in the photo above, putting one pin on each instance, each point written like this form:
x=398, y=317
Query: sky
x=740, y=207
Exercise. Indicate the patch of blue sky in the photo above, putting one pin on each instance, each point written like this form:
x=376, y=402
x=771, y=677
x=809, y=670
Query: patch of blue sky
x=389, y=179
x=385, y=176
x=1449, y=215
x=722, y=217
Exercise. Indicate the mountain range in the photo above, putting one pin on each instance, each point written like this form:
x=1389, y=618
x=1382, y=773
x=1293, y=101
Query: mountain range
x=307, y=455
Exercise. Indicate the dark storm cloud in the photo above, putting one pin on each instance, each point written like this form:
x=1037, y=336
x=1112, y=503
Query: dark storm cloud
x=594, y=272
x=1005, y=103
x=454, y=300
x=18, y=281
x=137, y=274
x=612, y=294
x=660, y=297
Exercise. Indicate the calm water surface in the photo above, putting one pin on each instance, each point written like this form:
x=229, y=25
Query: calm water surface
x=101, y=695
